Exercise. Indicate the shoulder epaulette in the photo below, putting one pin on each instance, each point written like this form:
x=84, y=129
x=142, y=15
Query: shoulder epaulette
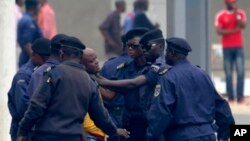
x=111, y=58
x=49, y=69
x=122, y=65
x=164, y=71
x=35, y=68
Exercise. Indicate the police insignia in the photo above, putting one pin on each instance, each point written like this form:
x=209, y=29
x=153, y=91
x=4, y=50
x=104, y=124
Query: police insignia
x=155, y=68
x=157, y=90
x=48, y=80
x=120, y=66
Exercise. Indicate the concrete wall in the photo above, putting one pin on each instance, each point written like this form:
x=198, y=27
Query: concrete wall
x=81, y=18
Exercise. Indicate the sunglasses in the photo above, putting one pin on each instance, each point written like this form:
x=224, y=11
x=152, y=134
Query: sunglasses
x=133, y=46
x=149, y=46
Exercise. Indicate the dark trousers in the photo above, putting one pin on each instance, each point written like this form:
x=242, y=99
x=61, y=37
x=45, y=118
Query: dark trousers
x=234, y=57
x=46, y=137
x=137, y=132
x=204, y=138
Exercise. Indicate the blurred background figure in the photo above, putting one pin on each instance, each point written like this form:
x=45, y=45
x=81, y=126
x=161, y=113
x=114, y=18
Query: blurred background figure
x=28, y=30
x=47, y=20
x=140, y=19
x=229, y=24
x=111, y=30
x=19, y=12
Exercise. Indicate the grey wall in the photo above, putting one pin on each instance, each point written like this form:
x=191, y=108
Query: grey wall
x=81, y=18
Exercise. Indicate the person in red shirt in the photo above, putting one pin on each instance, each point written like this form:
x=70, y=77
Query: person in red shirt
x=47, y=20
x=229, y=24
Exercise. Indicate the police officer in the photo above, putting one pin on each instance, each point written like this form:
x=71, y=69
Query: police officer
x=114, y=103
x=53, y=60
x=66, y=93
x=28, y=30
x=132, y=118
x=186, y=103
x=21, y=80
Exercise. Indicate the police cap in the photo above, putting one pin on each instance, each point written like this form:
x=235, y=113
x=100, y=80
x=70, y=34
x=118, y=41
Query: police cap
x=55, y=41
x=136, y=32
x=72, y=42
x=179, y=45
x=41, y=46
x=151, y=35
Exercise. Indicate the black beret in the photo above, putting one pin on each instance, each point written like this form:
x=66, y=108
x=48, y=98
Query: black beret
x=179, y=45
x=55, y=41
x=41, y=46
x=72, y=42
x=136, y=32
x=151, y=35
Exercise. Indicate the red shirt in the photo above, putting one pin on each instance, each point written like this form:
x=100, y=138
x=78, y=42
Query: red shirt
x=227, y=20
x=47, y=21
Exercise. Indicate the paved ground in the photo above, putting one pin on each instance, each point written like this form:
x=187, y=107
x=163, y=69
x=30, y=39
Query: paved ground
x=241, y=112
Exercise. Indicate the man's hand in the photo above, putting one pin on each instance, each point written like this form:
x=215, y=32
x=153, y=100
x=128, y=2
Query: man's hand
x=21, y=138
x=122, y=132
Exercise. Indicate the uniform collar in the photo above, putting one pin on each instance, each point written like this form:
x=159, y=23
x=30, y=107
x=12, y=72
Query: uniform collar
x=184, y=61
x=52, y=61
x=73, y=64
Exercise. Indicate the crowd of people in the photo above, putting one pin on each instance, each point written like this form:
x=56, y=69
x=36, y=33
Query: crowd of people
x=149, y=92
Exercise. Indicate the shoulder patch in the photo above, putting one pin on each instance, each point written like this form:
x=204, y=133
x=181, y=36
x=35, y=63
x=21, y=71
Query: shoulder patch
x=122, y=65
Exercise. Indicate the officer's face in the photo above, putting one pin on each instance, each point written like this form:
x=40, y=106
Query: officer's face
x=153, y=51
x=91, y=63
x=169, y=57
x=133, y=46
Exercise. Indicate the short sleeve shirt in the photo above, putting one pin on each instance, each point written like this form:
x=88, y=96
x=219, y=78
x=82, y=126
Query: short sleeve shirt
x=227, y=20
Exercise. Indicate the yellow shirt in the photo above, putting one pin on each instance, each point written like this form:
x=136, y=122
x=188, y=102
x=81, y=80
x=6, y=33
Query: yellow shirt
x=90, y=127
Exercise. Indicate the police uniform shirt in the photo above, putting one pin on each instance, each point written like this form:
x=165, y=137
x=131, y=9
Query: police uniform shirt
x=36, y=76
x=59, y=104
x=131, y=97
x=108, y=71
x=17, y=92
x=185, y=102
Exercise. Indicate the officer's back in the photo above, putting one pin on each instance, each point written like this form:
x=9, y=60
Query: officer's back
x=187, y=101
x=65, y=95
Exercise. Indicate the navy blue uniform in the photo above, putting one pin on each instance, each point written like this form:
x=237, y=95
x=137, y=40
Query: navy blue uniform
x=27, y=32
x=35, y=80
x=185, y=106
x=133, y=118
x=15, y=95
x=58, y=106
x=116, y=105
x=146, y=91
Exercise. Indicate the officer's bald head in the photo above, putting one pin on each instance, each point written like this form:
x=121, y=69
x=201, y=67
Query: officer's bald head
x=90, y=61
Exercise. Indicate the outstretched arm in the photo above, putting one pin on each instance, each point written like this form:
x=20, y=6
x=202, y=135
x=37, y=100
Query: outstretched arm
x=120, y=84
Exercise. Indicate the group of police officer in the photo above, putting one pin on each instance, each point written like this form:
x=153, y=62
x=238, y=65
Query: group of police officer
x=149, y=94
